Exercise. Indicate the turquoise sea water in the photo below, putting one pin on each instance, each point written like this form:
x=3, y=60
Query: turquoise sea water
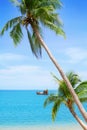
x=26, y=108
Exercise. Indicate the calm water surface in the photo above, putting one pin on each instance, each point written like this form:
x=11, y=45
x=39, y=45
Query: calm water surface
x=26, y=108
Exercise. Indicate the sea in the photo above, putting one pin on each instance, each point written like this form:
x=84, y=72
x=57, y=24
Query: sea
x=25, y=107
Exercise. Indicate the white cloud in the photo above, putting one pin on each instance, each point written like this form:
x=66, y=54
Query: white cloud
x=7, y=59
x=11, y=56
x=75, y=55
x=25, y=77
x=16, y=74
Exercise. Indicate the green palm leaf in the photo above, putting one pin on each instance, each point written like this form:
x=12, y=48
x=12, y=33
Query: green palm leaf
x=49, y=19
x=82, y=94
x=62, y=90
x=11, y=23
x=50, y=99
x=56, y=78
x=41, y=3
x=15, y=2
x=83, y=99
x=54, y=3
x=31, y=41
x=56, y=100
x=81, y=87
x=34, y=44
x=54, y=27
x=16, y=33
x=55, y=108
x=37, y=45
x=20, y=5
x=73, y=78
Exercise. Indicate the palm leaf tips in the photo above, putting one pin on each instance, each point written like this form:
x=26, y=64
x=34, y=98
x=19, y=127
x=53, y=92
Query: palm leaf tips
x=15, y=2
x=11, y=23
x=81, y=87
x=34, y=44
x=50, y=99
x=55, y=108
x=16, y=33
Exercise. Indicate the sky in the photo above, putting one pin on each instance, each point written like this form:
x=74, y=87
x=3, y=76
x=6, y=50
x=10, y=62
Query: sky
x=19, y=69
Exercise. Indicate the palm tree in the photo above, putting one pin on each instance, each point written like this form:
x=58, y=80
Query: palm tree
x=64, y=96
x=34, y=14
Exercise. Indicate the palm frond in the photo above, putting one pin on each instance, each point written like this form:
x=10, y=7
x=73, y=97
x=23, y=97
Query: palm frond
x=30, y=41
x=56, y=100
x=16, y=34
x=47, y=16
x=56, y=78
x=16, y=2
x=39, y=12
x=20, y=5
x=62, y=90
x=31, y=4
x=81, y=87
x=23, y=8
x=83, y=99
x=55, y=3
x=37, y=45
x=51, y=98
x=73, y=78
x=54, y=27
x=55, y=108
x=82, y=94
x=42, y=3
x=34, y=44
x=11, y=23
x=28, y=3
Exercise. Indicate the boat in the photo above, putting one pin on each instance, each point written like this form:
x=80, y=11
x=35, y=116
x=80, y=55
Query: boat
x=45, y=92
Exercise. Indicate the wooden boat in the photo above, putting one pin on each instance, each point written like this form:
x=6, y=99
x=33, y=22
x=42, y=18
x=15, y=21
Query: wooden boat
x=45, y=92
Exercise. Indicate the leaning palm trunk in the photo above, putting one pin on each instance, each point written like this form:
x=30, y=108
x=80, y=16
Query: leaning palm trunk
x=75, y=97
x=77, y=118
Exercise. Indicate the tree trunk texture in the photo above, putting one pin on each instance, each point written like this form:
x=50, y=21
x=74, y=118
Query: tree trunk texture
x=78, y=119
x=75, y=97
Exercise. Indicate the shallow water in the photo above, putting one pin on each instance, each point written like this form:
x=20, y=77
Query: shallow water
x=26, y=108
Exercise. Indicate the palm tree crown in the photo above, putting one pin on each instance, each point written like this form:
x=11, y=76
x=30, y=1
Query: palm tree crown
x=64, y=95
x=33, y=14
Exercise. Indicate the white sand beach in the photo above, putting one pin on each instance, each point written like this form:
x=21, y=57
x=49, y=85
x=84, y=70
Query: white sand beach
x=66, y=127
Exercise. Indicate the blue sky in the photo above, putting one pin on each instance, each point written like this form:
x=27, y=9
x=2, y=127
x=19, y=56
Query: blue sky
x=19, y=69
